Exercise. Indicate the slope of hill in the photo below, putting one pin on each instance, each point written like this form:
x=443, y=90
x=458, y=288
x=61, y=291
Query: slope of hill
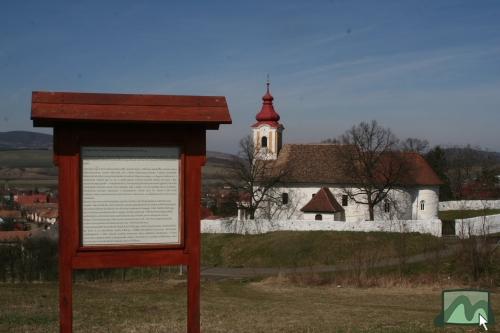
x=27, y=156
x=476, y=155
x=25, y=140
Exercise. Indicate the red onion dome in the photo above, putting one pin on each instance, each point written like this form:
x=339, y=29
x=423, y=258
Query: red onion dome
x=267, y=113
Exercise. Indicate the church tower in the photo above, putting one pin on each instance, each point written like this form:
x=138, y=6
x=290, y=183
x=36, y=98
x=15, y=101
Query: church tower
x=267, y=131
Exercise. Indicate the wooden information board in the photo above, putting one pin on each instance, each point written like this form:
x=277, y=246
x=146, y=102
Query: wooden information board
x=129, y=182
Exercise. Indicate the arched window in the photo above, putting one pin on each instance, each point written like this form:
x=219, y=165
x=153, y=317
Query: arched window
x=263, y=142
x=284, y=198
x=344, y=200
x=387, y=206
x=318, y=217
x=422, y=204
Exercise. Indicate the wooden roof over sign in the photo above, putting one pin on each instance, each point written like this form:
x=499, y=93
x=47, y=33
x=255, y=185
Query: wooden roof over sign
x=49, y=108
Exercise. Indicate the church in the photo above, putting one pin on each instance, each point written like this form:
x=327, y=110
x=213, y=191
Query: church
x=314, y=187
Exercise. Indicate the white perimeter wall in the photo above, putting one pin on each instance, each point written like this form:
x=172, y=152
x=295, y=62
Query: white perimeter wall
x=469, y=204
x=481, y=225
x=432, y=226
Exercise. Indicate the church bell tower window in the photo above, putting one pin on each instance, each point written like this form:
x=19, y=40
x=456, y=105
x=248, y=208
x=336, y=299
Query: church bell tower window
x=264, y=142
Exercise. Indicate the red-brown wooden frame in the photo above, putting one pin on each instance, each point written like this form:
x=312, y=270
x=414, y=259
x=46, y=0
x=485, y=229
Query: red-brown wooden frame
x=68, y=143
x=127, y=120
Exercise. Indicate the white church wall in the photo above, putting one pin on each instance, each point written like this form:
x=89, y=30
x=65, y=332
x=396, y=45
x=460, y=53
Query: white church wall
x=404, y=203
x=299, y=196
x=399, y=205
x=469, y=204
x=429, y=195
x=324, y=217
x=432, y=227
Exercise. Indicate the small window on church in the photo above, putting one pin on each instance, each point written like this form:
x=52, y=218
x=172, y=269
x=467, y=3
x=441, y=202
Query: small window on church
x=264, y=142
x=344, y=200
x=284, y=198
x=422, y=205
x=313, y=195
x=318, y=217
x=387, y=206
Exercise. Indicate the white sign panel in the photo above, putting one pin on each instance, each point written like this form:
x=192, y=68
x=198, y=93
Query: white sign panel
x=130, y=196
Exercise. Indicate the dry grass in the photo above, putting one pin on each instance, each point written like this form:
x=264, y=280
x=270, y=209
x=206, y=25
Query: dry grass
x=271, y=305
x=466, y=214
x=309, y=248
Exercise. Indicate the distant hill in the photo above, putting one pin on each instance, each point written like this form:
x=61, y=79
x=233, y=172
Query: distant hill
x=27, y=155
x=476, y=155
x=33, y=140
x=219, y=156
x=25, y=140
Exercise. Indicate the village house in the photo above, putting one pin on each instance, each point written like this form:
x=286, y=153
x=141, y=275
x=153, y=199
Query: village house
x=314, y=185
x=41, y=213
x=10, y=214
x=13, y=237
x=31, y=198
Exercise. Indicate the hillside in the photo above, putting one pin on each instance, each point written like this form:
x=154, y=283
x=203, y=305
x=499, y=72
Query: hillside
x=476, y=155
x=25, y=140
x=27, y=156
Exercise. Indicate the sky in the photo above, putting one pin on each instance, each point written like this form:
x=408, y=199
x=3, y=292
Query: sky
x=425, y=69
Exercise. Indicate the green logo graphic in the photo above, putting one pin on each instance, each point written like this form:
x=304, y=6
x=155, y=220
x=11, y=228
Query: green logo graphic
x=466, y=307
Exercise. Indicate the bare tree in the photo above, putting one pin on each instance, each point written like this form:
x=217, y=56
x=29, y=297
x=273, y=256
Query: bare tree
x=436, y=157
x=415, y=145
x=372, y=163
x=464, y=163
x=256, y=179
x=477, y=251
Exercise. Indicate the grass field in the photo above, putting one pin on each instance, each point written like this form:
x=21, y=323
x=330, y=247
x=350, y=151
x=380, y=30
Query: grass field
x=227, y=306
x=292, y=248
x=26, y=158
x=465, y=214
x=52, y=183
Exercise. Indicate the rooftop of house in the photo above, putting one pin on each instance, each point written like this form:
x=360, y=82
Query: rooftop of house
x=12, y=236
x=5, y=213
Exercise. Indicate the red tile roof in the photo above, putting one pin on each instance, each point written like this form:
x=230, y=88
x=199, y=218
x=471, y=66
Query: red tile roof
x=29, y=199
x=9, y=236
x=323, y=202
x=15, y=214
x=19, y=235
x=322, y=163
x=205, y=212
x=420, y=172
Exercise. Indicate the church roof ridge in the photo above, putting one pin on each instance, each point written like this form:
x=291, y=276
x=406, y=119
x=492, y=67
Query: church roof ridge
x=321, y=163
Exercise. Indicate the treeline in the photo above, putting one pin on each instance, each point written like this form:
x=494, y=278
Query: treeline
x=467, y=172
x=30, y=260
x=36, y=260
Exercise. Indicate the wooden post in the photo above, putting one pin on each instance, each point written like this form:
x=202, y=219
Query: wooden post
x=193, y=197
x=67, y=160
